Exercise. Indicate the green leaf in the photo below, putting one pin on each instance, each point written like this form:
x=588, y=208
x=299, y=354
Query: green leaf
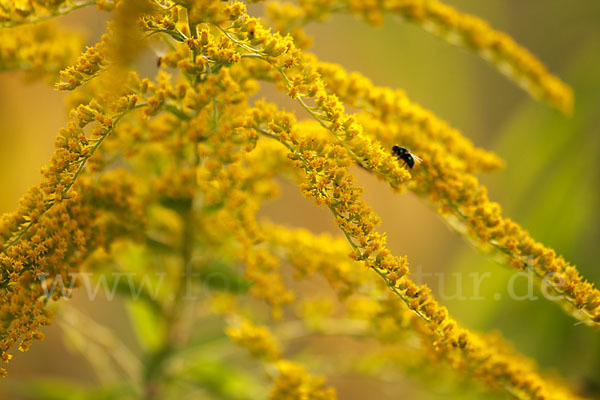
x=224, y=382
x=147, y=323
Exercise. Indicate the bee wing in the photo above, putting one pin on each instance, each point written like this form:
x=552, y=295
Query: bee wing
x=417, y=159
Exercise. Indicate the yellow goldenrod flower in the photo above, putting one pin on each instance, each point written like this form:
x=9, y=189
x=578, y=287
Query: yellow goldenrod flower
x=321, y=254
x=444, y=180
x=293, y=382
x=53, y=227
x=88, y=65
x=17, y=12
x=257, y=339
x=73, y=149
x=37, y=267
x=464, y=203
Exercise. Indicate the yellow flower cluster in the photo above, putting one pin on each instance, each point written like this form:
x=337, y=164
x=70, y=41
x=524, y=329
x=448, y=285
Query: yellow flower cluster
x=444, y=179
x=280, y=130
x=289, y=18
x=465, y=204
x=88, y=65
x=56, y=246
x=41, y=50
x=292, y=380
x=311, y=254
x=514, y=61
x=257, y=339
x=295, y=383
x=329, y=182
x=210, y=11
x=17, y=12
x=52, y=227
x=73, y=149
x=501, y=367
x=460, y=199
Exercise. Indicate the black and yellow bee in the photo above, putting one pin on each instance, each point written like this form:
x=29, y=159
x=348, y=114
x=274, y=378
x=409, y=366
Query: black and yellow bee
x=405, y=155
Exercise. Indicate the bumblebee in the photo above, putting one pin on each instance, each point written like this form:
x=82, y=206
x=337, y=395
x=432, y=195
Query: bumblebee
x=405, y=155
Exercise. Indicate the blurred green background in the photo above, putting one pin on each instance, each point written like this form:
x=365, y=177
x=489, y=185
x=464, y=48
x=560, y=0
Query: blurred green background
x=551, y=184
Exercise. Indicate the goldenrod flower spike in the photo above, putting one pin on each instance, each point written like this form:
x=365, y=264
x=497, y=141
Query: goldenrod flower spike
x=317, y=254
x=444, y=179
x=73, y=150
x=56, y=246
x=464, y=203
x=53, y=228
x=117, y=48
x=441, y=20
x=89, y=64
x=290, y=379
x=18, y=12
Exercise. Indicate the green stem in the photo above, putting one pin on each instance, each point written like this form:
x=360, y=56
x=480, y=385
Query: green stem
x=155, y=366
